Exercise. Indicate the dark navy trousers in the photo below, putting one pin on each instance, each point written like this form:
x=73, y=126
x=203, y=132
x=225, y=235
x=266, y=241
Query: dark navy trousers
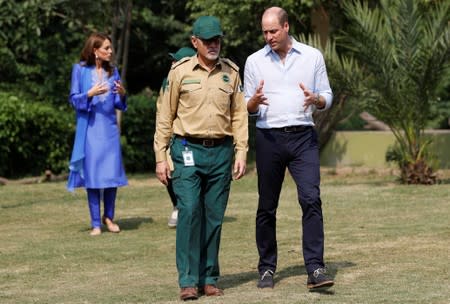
x=297, y=151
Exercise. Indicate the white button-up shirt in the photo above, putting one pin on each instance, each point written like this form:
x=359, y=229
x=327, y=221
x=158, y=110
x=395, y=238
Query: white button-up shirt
x=303, y=64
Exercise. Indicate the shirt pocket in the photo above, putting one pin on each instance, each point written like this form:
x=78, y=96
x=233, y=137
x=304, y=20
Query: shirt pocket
x=190, y=94
x=223, y=98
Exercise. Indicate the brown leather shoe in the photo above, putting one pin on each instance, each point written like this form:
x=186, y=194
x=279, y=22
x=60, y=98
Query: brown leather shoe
x=188, y=293
x=212, y=291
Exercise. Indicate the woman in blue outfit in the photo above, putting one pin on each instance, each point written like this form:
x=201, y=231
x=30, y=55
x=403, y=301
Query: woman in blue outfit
x=96, y=163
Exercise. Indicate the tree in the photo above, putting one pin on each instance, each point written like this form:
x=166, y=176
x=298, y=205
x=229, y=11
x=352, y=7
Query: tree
x=403, y=46
x=241, y=21
x=346, y=78
x=40, y=40
x=158, y=27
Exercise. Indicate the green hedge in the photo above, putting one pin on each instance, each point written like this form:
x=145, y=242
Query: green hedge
x=37, y=136
x=34, y=136
x=138, y=128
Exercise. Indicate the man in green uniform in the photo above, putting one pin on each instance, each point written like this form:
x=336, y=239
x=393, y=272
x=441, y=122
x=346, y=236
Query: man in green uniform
x=205, y=108
x=180, y=54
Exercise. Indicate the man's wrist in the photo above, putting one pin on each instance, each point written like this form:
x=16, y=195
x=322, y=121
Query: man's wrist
x=318, y=102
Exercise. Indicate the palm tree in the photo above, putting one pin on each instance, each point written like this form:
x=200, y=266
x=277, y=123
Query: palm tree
x=403, y=47
x=346, y=77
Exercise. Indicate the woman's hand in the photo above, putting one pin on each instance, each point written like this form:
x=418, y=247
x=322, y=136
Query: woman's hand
x=118, y=88
x=98, y=89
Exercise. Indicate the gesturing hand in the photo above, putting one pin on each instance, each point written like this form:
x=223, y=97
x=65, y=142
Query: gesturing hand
x=119, y=88
x=310, y=97
x=257, y=99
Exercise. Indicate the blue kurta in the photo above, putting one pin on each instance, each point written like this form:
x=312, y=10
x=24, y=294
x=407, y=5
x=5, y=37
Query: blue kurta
x=96, y=160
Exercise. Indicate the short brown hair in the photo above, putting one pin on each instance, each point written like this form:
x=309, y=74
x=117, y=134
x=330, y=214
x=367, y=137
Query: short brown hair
x=95, y=41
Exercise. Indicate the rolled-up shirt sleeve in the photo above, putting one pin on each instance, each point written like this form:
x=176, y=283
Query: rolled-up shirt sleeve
x=323, y=85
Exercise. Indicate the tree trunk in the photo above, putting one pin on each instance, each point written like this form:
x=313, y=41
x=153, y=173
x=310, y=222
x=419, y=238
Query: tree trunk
x=120, y=36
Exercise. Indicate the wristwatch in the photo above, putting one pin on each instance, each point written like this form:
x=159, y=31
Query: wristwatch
x=317, y=100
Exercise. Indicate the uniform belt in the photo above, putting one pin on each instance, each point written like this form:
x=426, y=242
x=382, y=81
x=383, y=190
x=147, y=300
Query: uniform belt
x=293, y=129
x=206, y=142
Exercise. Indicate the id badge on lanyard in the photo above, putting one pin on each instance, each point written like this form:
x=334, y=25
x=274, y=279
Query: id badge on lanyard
x=188, y=155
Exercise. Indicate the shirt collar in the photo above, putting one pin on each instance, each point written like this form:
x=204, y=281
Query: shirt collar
x=195, y=63
x=296, y=46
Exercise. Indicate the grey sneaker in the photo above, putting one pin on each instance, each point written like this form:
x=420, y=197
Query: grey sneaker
x=172, y=223
x=266, y=280
x=319, y=279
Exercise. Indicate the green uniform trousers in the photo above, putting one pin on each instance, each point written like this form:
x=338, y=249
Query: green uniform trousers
x=202, y=194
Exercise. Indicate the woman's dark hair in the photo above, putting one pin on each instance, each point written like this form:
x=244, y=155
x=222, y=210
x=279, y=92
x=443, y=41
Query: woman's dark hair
x=95, y=41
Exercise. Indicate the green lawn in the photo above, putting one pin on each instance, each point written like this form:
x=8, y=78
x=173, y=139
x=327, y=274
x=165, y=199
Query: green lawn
x=385, y=243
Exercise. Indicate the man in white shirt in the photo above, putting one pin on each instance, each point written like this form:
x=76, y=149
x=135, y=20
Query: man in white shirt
x=284, y=83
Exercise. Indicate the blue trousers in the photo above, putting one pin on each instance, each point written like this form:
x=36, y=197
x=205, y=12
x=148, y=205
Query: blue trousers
x=297, y=151
x=109, y=200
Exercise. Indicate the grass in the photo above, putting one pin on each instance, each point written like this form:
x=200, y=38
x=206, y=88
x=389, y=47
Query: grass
x=385, y=243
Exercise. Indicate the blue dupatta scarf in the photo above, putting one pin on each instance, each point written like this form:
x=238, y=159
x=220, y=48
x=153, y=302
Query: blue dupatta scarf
x=76, y=165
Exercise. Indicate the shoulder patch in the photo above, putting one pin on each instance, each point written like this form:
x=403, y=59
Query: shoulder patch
x=231, y=64
x=180, y=62
x=165, y=84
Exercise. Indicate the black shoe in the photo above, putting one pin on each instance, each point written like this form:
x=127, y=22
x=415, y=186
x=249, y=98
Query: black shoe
x=266, y=280
x=319, y=279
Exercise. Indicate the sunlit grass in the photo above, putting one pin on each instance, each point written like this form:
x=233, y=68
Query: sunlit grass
x=385, y=243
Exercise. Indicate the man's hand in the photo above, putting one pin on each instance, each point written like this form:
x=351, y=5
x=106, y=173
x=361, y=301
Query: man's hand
x=310, y=98
x=257, y=99
x=163, y=172
x=239, y=169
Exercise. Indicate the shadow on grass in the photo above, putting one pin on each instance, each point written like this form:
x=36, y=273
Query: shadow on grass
x=133, y=223
x=237, y=279
x=18, y=205
x=445, y=181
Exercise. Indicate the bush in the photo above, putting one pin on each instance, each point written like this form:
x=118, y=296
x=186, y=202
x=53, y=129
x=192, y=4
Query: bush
x=34, y=136
x=138, y=128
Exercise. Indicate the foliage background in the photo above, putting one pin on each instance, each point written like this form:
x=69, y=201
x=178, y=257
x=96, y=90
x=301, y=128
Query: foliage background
x=41, y=39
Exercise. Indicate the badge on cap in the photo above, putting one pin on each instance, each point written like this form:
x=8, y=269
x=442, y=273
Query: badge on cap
x=225, y=78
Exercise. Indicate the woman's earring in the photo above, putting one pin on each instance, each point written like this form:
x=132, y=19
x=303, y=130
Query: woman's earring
x=96, y=57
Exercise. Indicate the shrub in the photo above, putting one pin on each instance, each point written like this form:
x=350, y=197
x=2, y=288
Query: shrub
x=138, y=128
x=35, y=136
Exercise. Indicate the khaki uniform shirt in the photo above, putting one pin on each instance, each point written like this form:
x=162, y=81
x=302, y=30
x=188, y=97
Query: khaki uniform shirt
x=202, y=104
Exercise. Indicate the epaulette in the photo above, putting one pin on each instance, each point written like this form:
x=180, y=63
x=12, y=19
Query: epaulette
x=231, y=64
x=181, y=61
